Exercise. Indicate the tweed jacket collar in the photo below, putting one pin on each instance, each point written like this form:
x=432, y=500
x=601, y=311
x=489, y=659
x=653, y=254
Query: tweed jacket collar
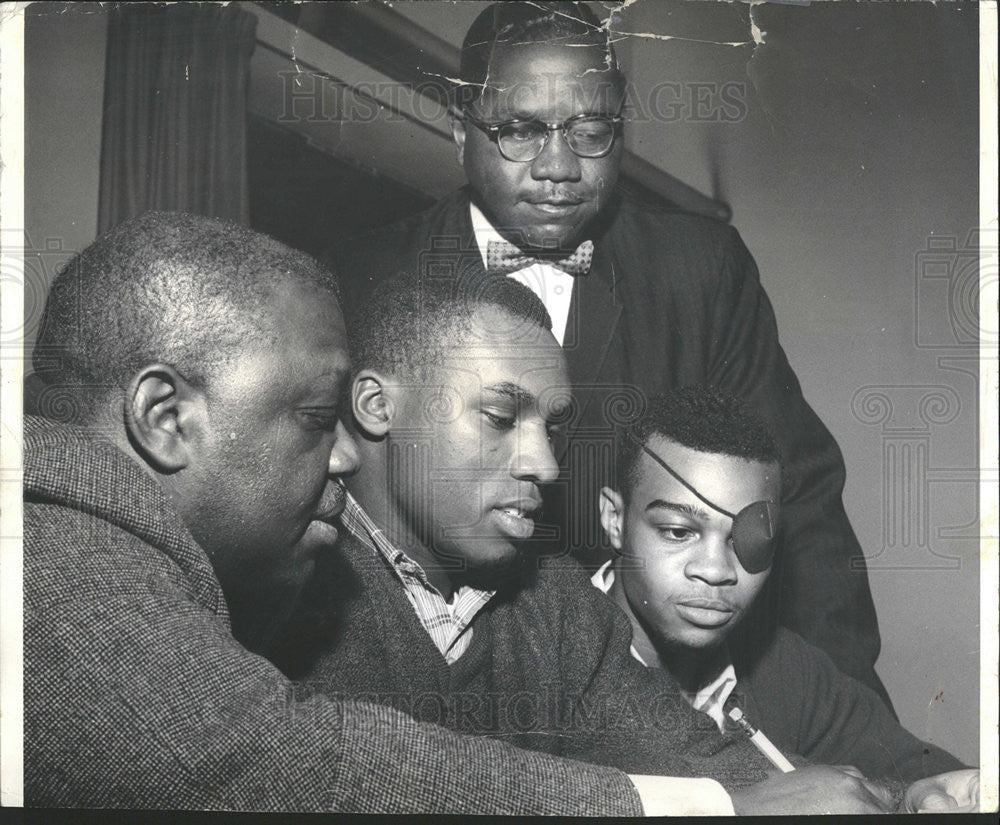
x=71, y=467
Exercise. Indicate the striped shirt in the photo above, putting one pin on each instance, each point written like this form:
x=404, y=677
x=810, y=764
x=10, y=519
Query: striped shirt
x=449, y=624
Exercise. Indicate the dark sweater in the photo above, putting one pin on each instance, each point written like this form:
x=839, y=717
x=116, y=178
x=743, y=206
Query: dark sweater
x=548, y=669
x=137, y=695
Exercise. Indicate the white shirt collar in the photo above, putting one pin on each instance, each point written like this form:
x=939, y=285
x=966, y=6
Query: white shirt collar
x=553, y=286
x=483, y=230
x=602, y=580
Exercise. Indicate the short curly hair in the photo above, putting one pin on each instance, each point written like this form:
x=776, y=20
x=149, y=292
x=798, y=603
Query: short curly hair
x=406, y=324
x=183, y=289
x=511, y=23
x=699, y=417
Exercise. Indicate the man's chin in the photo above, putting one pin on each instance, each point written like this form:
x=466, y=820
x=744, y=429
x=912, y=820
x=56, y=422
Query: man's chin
x=490, y=570
x=319, y=534
x=554, y=237
x=318, y=539
x=700, y=640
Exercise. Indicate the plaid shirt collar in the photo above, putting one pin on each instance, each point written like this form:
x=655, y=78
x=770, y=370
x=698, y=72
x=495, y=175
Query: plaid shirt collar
x=448, y=624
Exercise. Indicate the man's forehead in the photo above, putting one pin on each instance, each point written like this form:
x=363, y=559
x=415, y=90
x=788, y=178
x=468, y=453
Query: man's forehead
x=299, y=336
x=492, y=328
x=535, y=73
x=284, y=370
x=512, y=56
x=532, y=370
x=308, y=314
x=522, y=364
x=724, y=479
x=534, y=358
x=331, y=364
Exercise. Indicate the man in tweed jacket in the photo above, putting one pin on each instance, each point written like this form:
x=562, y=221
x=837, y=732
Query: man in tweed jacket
x=204, y=365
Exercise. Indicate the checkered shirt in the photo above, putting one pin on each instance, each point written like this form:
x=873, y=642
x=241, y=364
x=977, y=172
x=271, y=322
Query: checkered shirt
x=448, y=624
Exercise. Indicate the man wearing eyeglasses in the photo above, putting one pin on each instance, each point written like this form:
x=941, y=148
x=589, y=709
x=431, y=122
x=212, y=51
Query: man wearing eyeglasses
x=642, y=299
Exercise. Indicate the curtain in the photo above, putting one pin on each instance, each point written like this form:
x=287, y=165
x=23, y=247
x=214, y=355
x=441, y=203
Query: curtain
x=175, y=94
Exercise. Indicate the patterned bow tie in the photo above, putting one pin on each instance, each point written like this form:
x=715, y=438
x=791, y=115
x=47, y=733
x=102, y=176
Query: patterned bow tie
x=503, y=257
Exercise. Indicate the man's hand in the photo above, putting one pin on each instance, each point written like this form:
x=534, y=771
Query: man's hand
x=817, y=789
x=952, y=792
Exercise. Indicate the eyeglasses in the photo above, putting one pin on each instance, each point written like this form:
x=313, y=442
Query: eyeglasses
x=589, y=136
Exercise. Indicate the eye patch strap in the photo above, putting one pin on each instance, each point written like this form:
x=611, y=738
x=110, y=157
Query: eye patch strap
x=753, y=527
x=676, y=475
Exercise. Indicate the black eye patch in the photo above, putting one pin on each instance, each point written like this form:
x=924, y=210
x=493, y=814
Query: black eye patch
x=755, y=527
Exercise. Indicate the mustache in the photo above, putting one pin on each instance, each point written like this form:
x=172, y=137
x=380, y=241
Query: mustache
x=332, y=503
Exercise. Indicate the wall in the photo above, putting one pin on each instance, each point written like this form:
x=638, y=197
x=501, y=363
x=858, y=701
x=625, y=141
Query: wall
x=63, y=102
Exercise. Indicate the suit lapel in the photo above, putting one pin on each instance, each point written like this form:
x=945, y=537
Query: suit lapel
x=590, y=342
x=458, y=238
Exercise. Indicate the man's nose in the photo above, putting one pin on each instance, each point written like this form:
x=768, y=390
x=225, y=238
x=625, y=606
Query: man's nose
x=344, y=457
x=713, y=561
x=557, y=162
x=533, y=459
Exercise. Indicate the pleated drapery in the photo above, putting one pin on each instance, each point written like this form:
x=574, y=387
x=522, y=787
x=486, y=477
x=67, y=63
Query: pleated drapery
x=175, y=96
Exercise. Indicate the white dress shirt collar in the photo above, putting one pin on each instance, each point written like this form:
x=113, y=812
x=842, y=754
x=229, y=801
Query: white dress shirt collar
x=553, y=286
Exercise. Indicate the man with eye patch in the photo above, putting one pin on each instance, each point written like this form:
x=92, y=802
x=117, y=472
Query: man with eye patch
x=693, y=517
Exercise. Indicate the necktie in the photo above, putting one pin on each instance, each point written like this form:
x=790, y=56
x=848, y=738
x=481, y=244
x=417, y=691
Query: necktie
x=503, y=257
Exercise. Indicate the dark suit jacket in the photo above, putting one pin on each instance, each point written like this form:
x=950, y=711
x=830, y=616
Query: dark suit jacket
x=672, y=299
x=136, y=694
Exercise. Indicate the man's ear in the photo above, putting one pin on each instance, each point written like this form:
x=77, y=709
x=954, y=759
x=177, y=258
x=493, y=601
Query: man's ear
x=457, y=132
x=372, y=403
x=613, y=516
x=164, y=415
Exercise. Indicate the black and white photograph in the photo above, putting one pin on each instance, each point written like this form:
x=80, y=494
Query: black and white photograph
x=499, y=408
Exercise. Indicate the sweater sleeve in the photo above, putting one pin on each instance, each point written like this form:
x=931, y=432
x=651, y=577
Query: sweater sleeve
x=136, y=695
x=824, y=593
x=805, y=704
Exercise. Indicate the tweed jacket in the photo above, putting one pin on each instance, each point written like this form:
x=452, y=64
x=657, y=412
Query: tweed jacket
x=136, y=694
x=671, y=300
x=548, y=668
